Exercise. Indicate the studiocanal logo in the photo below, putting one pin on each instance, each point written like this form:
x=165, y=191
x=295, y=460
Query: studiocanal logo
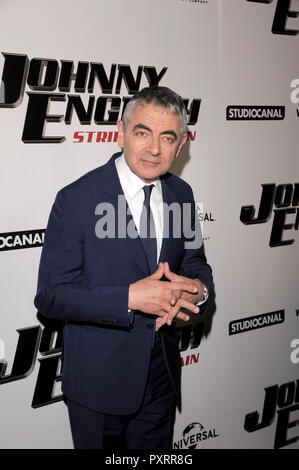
x=19, y=240
x=194, y=435
x=258, y=321
x=255, y=113
x=283, y=201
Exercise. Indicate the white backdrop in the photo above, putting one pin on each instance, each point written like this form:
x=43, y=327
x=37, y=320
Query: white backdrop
x=224, y=53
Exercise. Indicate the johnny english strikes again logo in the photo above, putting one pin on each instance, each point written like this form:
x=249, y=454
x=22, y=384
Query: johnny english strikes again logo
x=44, y=75
x=284, y=400
x=47, y=342
x=281, y=15
x=283, y=201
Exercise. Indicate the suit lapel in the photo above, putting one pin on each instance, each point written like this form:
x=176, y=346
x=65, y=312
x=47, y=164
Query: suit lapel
x=112, y=187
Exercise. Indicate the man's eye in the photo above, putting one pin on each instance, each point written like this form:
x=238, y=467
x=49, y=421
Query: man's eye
x=169, y=139
x=141, y=133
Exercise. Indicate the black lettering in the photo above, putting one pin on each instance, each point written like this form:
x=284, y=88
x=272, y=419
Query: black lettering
x=279, y=226
x=197, y=335
x=125, y=74
x=193, y=111
x=67, y=75
x=37, y=116
x=282, y=12
x=151, y=74
x=190, y=336
x=14, y=79
x=51, y=340
x=283, y=424
x=251, y=419
x=286, y=394
x=25, y=355
x=48, y=376
x=97, y=70
x=126, y=100
x=75, y=102
x=36, y=71
x=113, y=113
x=184, y=334
x=295, y=201
x=283, y=195
x=266, y=204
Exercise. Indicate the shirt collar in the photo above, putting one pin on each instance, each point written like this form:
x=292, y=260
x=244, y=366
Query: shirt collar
x=129, y=181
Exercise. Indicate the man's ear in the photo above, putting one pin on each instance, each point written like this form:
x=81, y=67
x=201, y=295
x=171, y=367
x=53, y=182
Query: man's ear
x=121, y=132
x=183, y=140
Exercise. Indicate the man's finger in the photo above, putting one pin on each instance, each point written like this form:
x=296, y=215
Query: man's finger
x=187, y=286
x=176, y=295
x=159, y=273
x=169, y=274
x=162, y=320
x=172, y=314
x=188, y=305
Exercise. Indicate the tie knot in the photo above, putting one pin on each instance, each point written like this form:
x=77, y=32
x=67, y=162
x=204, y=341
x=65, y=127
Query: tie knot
x=147, y=191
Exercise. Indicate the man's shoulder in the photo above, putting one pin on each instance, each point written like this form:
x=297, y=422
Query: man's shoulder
x=177, y=184
x=89, y=180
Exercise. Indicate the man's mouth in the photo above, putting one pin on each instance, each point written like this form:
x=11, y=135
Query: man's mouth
x=150, y=163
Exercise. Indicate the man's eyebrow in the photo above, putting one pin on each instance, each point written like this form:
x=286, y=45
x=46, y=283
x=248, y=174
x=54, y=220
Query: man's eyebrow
x=166, y=132
x=141, y=126
x=170, y=132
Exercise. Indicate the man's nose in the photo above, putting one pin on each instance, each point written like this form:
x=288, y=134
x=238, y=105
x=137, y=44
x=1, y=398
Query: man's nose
x=154, y=147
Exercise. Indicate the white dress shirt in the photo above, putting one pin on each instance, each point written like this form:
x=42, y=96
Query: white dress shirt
x=132, y=187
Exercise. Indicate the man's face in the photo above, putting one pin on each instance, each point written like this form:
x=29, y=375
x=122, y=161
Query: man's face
x=151, y=141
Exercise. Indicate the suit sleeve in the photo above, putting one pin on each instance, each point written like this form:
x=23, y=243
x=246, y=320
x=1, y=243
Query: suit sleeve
x=194, y=264
x=61, y=291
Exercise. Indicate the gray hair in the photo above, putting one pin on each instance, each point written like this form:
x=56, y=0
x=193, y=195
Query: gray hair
x=160, y=96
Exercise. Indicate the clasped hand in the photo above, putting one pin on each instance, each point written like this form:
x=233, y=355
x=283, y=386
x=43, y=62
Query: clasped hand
x=165, y=299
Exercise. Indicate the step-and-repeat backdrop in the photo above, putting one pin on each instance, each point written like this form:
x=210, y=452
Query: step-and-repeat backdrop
x=67, y=70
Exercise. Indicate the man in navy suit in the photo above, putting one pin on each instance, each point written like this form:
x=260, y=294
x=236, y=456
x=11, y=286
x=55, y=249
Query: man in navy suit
x=118, y=269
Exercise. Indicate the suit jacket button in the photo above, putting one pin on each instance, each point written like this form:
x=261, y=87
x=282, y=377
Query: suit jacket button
x=150, y=326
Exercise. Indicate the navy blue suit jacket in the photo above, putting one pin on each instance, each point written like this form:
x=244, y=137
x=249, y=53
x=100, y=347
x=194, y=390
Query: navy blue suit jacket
x=84, y=280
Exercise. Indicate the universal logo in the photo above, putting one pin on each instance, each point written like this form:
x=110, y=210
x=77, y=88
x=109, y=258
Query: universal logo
x=18, y=240
x=281, y=15
x=282, y=400
x=255, y=113
x=255, y=322
x=194, y=435
x=46, y=75
x=283, y=201
x=203, y=217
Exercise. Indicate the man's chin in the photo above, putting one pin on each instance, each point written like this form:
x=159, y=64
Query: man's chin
x=148, y=175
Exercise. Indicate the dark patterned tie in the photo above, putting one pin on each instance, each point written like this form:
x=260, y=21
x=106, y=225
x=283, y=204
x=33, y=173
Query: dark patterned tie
x=147, y=230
